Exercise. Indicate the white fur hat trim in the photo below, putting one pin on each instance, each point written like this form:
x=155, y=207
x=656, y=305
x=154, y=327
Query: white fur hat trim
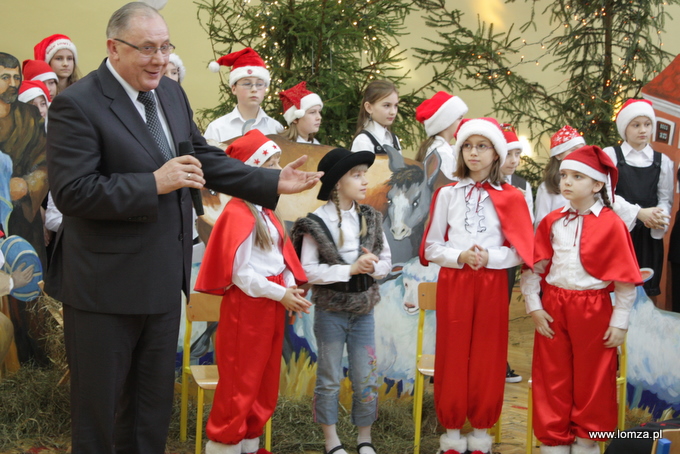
x=631, y=112
x=56, y=45
x=585, y=169
x=569, y=144
x=481, y=127
x=30, y=94
x=450, y=111
x=515, y=145
x=242, y=72
x=293, y=113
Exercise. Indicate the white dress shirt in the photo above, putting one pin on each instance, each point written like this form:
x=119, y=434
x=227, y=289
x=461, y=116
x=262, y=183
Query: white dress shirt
x=546, y=202
x=321, y=273
x=528, y=195
x=381, y=134
x=567, y=271
x=252, y=265
x=469, y=217
x=53, y=216
x=445, y=150
x=301, y=139
x=231, y=125
x=133, y=94
x=645, y=158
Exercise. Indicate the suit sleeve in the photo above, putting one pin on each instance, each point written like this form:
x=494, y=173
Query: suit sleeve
x=75, y=152
x=231, y=176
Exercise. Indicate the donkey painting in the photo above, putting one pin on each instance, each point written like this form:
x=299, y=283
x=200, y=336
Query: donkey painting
x=408, y=203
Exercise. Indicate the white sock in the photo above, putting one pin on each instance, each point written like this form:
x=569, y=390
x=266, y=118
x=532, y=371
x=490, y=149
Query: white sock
x=585, y=442
x=453, y=434
x=250, y=445
x=331, y=436
x=480, y=433
x=365, y=437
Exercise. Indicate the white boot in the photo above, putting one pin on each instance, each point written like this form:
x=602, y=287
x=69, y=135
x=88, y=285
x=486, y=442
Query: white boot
x=578, y=448
x=446, y=443
x=250, y=445
x=561, y=449
x=213, y=447
x=481, y=444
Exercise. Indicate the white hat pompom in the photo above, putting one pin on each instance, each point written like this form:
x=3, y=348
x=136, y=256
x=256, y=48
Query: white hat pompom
x=214, y=66
x=299, y=113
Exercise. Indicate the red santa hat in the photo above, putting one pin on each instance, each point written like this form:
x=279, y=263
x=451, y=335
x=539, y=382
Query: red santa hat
x=49, y=46
x=486, y=127
x=632, y=109
x=511, y=137
x=253, y=148
x=591, y=161
x=38, y=70
x=297, y=100
x=439, y=112
x=244, y=63
x=31, y=89
x=564, y=139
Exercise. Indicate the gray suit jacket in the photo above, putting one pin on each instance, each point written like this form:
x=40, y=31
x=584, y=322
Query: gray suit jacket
x=122, y=248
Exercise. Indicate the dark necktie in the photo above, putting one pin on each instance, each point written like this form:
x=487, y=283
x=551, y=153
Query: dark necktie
x=154, y=124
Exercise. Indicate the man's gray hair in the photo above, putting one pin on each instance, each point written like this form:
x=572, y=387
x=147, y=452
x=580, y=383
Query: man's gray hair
x=120, y=20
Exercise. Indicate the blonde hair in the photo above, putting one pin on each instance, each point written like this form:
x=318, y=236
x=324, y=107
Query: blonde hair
x=335, y=197
x=422, y=151
x=376, y=90
x=292, y=133
x=263, y=239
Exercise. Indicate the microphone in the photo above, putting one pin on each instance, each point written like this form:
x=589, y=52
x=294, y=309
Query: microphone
x=186, y=148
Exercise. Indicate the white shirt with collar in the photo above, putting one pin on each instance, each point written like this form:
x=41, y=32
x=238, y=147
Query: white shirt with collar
x=133, y=93
x=467, y=222
x=321, y=273
x=253, y=264
x=231, y=125
x=381, y=134
x=301, y=139
x=528, y=195
x=546, y=202
x=448, y=158
x=567, y=271
x=665, y=188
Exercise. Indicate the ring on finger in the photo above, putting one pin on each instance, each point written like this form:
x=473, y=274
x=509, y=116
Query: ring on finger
x=188, y=176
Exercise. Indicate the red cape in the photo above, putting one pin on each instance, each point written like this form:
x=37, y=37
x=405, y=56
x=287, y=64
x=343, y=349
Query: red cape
x=232, y=228
x=607, y=251
x=516, y=224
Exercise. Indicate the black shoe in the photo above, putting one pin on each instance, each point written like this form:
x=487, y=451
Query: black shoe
x=512, y=377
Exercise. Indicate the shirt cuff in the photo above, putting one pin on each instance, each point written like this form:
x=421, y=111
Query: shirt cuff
x=532, y=303
x=620, y=318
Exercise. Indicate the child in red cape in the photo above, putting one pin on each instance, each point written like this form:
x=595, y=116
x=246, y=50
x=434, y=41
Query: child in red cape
x=479, y=227
x=580, y=251
x=250, y=261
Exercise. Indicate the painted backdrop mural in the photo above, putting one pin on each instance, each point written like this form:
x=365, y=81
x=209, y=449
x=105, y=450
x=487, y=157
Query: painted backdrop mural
x=402, y=190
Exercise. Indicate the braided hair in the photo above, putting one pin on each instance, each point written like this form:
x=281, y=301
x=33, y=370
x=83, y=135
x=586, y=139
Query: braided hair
x=335, y=197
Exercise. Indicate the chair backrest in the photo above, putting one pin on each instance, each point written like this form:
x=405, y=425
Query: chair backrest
x=427, y=296
x=203, y=307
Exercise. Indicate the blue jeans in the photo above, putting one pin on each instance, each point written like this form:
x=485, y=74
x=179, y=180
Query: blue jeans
x=333, y=330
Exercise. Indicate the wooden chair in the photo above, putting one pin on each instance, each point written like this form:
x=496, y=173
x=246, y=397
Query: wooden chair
x=204, y=308
x=427, y=301
x=621, y=382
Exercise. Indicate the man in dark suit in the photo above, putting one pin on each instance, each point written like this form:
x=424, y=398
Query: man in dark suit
x=122, y=255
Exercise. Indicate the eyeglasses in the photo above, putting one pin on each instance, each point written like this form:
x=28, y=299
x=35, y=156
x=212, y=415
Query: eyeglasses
x=150, y=51
x=250, y=85
x=482, y=147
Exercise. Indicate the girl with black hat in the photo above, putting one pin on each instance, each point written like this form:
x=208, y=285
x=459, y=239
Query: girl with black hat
x=343, y=251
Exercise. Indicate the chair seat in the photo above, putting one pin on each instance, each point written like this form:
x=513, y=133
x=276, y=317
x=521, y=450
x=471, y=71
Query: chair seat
x=205, y=376
x=426, y=365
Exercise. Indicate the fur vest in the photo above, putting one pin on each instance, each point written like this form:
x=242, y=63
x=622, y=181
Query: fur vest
x=329, y=299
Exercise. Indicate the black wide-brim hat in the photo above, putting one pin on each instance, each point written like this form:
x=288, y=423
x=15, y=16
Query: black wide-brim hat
x=337, y=163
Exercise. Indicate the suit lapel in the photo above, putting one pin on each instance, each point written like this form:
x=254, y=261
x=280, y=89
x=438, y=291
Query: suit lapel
x=127, y=113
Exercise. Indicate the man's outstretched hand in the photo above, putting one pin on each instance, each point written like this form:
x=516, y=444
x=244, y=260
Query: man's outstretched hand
x=292, y=181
